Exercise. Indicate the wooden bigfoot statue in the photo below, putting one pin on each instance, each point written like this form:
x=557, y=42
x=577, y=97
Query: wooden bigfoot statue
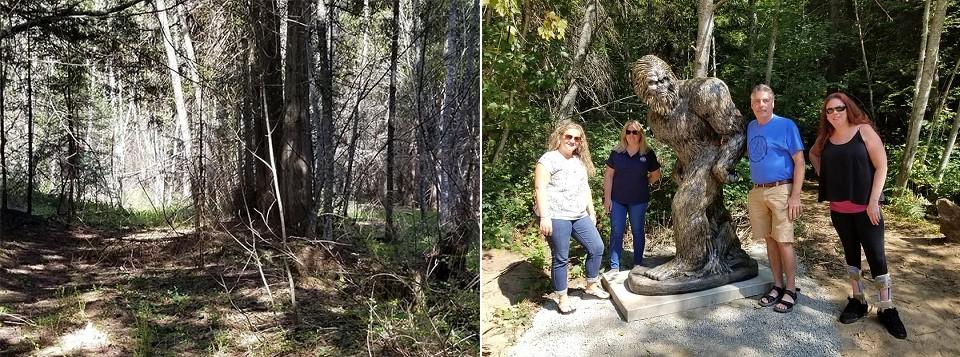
x=698, y=120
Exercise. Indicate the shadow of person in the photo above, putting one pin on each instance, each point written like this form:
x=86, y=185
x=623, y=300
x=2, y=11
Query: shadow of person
x=521, y=281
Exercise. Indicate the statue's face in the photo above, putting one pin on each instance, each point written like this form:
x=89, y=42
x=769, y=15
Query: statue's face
x=655, y=84
x=659, y=83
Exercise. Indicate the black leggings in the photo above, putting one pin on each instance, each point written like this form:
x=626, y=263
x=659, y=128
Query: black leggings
x=855, y=230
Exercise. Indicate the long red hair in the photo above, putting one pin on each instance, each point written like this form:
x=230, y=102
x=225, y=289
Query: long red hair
x=855, y=116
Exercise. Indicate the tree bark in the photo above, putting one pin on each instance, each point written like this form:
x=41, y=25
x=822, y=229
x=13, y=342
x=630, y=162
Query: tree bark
x=426, y=125
x=30, y=163
x=173, y=65
x=863, y=52
x=920, y=100
x=753, y=32
x=701, y=57
x=297, y=150
x=268, y=89
x=935, y=126
x=569, y=100
x=950, y=144
x=3, y=129
x=924, y=36
x=772, y=48
x=326, y=143
x=389, y=231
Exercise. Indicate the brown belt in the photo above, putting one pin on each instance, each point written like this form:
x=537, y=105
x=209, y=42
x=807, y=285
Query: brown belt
x=772, y=184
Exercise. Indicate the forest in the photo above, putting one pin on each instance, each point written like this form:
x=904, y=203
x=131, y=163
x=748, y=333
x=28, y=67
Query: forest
x=546, y=62
x=261, y=177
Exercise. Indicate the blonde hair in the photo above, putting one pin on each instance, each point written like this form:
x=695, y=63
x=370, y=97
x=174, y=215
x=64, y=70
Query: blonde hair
x=582, y=150
x=622, y=145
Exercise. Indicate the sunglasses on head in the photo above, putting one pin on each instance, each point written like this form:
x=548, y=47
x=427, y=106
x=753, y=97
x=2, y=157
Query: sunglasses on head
x=838, y=109
x=633, y=132
x=575, y=138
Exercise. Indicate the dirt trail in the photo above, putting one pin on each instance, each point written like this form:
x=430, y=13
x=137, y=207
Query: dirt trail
x=74, y=291
x=922, y=263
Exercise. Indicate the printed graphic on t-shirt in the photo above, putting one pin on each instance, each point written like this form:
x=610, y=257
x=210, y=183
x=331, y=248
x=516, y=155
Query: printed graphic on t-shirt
x=758, y=148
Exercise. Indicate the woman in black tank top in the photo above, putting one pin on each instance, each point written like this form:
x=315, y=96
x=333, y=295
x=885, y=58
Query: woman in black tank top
x=852, y=164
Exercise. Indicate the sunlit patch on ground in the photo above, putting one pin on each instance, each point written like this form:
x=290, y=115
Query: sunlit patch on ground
x=87, y=339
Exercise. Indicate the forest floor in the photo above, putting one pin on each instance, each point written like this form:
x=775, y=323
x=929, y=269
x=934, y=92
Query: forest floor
x=78, y=291
x=922, y=263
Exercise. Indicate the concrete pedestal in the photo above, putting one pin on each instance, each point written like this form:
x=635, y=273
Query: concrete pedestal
x=636, y=307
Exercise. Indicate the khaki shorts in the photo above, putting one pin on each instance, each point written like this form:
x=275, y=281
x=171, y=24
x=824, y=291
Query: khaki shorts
x=768, y=213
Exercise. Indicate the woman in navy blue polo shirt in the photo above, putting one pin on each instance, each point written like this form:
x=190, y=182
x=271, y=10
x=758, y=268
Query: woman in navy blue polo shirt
x=631, y=168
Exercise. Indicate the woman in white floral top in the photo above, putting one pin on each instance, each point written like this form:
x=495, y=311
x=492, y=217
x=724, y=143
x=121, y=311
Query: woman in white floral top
x=565, y=206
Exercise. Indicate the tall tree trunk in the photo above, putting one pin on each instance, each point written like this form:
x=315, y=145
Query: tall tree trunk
x=197, y=178
x=173, y=64
x=425, y=137
x=920, y=100
x=504, y=136
x=924, y=37
x=863, y=52
x=705, y=10
x=268, y=89
x=330, y=145
x=30, y=162
x=772, y=48
x=935, y=126
x=356, y=116
x=950, y=143
x=569, y=100
x=325, y=28
x=297, y=151
x=389, y=230
x=752, y=33
x=3, y=129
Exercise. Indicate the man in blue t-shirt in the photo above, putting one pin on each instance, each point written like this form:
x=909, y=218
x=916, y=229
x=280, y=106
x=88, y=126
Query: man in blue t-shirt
x=775, y=151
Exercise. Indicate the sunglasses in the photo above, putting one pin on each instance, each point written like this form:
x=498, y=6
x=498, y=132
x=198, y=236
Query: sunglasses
x=633, y=132
x=838, y=109
x=575, y=138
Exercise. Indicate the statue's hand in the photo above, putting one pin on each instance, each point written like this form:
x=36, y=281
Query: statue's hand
x=723, y=175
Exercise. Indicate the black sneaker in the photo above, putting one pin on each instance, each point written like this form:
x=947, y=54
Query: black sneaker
x=890, y=319
x=854, y=311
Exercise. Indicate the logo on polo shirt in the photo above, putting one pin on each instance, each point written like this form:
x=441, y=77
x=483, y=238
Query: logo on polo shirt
x=758, y=148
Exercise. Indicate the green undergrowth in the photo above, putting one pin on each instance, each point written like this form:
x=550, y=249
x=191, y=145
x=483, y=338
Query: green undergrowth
x=112, y=217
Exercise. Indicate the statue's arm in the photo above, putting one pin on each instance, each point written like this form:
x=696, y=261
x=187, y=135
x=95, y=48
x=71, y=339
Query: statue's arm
x=715, y=106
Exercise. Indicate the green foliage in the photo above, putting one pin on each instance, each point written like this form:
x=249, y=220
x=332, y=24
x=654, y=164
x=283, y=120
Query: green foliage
x=144, y=332
x=908, y=205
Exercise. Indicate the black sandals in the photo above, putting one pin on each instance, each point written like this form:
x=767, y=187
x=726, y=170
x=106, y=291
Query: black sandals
x=771, y=299
x=788, y=304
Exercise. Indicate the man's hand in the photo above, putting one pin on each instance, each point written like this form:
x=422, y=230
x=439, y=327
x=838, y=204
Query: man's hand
x=793, y=207
x=607, y=206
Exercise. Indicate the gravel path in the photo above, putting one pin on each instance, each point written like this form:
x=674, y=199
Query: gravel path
x=738, y=328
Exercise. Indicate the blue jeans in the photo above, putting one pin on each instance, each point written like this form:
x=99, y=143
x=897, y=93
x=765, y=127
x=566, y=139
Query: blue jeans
x=618, y=225
x=585, y=232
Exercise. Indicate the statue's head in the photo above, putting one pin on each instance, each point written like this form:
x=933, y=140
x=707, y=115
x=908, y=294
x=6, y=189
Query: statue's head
x=655, y=84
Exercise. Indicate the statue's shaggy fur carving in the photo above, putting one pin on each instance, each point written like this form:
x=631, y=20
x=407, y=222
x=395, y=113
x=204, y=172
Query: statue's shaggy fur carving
x=698, y=120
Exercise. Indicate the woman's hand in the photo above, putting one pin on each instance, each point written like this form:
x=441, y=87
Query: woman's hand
x=546, y=226
x=873, y=211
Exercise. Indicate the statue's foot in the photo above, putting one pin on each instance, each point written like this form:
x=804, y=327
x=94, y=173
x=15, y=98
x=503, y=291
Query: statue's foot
x=714, y=267
x=669, y=270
